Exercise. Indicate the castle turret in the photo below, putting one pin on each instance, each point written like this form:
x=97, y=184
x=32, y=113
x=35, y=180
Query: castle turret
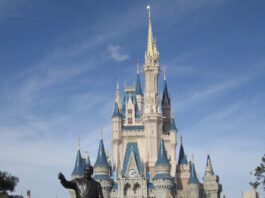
x=166, y=107
x=80, y=164
x=193, y=188
x=116, y=128
x=211, y=183
x=183, y=168
x=163, y=182
x=102, y=170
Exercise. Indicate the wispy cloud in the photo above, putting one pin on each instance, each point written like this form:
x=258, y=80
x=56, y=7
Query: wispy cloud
x=117, y=53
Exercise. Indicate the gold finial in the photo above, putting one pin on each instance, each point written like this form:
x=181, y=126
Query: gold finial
x=78, y=143
x=192, y=158
x=173, y=113
x=101, y=133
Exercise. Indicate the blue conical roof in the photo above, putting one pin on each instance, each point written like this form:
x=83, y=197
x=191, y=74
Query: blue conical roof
x=138, y=90
x=182, y=156
x=116, y=111
x=207, y=164
x=101, y=159
x=79, y=165
x=193, y=176
x=173, y=125
x=165, y=94
x=162, y=154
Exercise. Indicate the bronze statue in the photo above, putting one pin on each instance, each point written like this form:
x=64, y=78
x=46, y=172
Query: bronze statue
x=85, y=187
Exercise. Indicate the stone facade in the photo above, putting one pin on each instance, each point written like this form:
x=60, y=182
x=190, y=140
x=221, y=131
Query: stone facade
x=144, y=144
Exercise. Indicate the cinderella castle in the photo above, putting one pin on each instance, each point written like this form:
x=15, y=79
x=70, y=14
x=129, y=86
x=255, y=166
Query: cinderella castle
x=144, y=145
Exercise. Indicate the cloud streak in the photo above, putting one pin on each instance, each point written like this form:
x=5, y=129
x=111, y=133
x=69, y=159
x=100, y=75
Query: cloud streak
x=117, y=53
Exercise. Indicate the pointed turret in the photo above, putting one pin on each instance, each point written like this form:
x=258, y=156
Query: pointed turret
x=163, y=181
x=102, y=169
x=101, y=159
x=116, y=111
x=79, y=162
x=162, y=155
x=211, y=183
x=193, y=189
x=209, y=168
x=165, y=98
x=166, y=107
x=193, y=176
x=182, y=156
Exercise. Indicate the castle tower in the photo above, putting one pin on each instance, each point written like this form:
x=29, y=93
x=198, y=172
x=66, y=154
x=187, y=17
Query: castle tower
x=183, y=168
x=170, y=140
x=151, y=118
x=193, y=188
x=102, y=170
x=138, y=91
x=116, y=129
x=211, y=183
x=151, y=73
x=166, y=107
x=163, y=182
x=80, y=164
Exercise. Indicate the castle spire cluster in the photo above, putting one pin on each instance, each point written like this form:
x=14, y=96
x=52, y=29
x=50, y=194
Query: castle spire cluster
x=144, y=144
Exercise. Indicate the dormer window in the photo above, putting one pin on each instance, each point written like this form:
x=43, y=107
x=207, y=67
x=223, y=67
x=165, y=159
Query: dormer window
x=129, y=120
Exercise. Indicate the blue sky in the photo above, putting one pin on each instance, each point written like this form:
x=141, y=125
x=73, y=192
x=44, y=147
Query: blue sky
x=59, y=60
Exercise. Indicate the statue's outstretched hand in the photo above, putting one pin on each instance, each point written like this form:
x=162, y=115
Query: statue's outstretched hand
x=61, y=177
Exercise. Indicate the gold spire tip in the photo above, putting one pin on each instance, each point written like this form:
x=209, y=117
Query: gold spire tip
x=101, y=133
x=192, y=158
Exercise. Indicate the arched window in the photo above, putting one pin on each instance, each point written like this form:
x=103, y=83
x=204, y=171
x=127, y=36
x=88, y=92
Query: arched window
x=137, y=189
x=128, y=191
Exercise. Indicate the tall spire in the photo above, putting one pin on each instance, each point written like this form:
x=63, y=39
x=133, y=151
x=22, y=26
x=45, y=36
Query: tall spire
x=138, y=90
x=182, y=156
x=193, y=176
x=151, y=42
x=150, y=34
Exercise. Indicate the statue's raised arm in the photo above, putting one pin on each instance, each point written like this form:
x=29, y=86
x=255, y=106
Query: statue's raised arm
x=84, y=187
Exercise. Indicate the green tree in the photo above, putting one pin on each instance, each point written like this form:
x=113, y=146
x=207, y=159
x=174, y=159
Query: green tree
x=7, y=183
x=259, y=174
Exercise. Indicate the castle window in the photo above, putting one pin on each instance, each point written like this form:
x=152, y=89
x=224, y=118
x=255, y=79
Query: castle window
x=129, y=111
x=129, y=120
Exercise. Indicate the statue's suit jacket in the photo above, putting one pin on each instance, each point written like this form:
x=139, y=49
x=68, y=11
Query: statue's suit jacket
x=84, y=188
